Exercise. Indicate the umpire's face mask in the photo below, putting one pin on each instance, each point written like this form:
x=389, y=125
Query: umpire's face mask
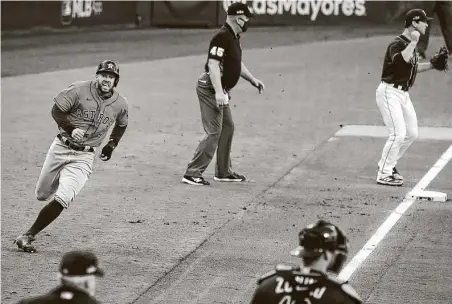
x=243, y=23
x=85, y=282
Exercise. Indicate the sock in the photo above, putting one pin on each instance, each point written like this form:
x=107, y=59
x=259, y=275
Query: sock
x=47, y=215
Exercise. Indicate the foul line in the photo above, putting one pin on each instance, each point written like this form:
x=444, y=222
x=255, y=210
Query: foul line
x=392, y=219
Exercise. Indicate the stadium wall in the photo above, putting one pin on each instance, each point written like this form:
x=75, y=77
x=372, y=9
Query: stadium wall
x=20, y=15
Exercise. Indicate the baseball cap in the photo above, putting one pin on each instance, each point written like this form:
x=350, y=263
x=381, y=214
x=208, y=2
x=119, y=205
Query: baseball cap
x=416, y=14
x=80, y=263
x=238, y=8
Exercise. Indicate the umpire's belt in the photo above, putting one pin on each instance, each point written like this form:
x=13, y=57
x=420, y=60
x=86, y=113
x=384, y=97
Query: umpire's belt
x=73, y=146
x=205, y=82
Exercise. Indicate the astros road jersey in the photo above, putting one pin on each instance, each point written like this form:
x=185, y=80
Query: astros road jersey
x=87, y=111
x=225, y=47
x=288, y=284
x=395, y=69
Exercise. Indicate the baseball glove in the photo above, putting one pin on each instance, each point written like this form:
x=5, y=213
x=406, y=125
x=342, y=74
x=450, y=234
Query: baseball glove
x=439, y=60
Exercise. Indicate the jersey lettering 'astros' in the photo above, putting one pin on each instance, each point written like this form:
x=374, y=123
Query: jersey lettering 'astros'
x=225, y=47
x=290, y=284
x=86, y=110
x=395, y=69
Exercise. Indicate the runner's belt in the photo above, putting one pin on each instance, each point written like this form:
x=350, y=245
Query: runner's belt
x=74, y=146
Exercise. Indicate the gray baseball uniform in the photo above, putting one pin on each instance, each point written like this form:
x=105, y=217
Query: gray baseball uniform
x=66, y=170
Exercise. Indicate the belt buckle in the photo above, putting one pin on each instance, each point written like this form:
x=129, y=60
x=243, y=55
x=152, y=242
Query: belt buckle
x=74, y=146
x=87, y=149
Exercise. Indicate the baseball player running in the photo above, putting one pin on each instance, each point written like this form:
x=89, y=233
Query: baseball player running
x=222, y=72
x=84, y=113
x=323, y=247
x=400, y=66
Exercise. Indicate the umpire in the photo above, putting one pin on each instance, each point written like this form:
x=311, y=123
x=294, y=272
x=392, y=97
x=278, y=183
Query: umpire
x=222, y=72
x=77, y=275
x=323, y=247
x=443, y=10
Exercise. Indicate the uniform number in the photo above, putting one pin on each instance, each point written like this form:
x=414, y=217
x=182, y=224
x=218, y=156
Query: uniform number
x=217, y=51
x=282, y=286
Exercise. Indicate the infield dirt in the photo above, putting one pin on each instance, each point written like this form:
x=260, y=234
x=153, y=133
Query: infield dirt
x=163, y=241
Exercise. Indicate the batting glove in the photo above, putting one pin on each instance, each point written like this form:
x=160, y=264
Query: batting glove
x=107, y=150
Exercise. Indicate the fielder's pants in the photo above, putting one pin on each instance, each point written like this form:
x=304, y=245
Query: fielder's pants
x=219, y=128
x=443, y=10
x=400, y=118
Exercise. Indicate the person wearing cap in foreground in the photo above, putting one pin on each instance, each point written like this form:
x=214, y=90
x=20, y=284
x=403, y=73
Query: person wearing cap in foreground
x=77, y=275
x=222, y=71
x=400, y=68
x=323, y=248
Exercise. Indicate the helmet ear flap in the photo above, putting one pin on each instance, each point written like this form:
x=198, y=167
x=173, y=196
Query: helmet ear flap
x=341, y=256
x=339, y=261
x=117, y=76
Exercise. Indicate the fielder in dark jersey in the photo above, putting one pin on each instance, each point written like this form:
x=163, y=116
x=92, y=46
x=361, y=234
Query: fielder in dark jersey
x=323, y=247
x=223, y=70
x=77, y=275
x=400, y=67
x=395, y=69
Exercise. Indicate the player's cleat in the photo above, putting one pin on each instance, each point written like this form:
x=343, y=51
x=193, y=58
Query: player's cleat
x=198, y=181
x=389, y=180
x=396, y=174
x=24, y=243
x=234, y=177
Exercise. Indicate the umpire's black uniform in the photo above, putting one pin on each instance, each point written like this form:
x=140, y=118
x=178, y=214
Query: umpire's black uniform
x=62, y=294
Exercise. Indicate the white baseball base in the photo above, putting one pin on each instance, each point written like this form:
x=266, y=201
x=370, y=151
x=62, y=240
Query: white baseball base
x=434, y=196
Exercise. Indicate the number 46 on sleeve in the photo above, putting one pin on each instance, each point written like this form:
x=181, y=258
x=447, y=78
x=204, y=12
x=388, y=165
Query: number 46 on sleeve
x=217, y=51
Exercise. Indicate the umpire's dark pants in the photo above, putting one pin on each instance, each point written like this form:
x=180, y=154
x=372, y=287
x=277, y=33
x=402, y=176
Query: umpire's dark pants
x=219, y=128
x=443, y=10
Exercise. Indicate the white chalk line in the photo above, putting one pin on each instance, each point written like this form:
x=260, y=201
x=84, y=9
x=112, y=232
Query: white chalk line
x=392, y=219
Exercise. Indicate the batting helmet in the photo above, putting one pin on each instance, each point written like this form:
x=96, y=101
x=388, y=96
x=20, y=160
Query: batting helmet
x=109, y=66
x=317, y=238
